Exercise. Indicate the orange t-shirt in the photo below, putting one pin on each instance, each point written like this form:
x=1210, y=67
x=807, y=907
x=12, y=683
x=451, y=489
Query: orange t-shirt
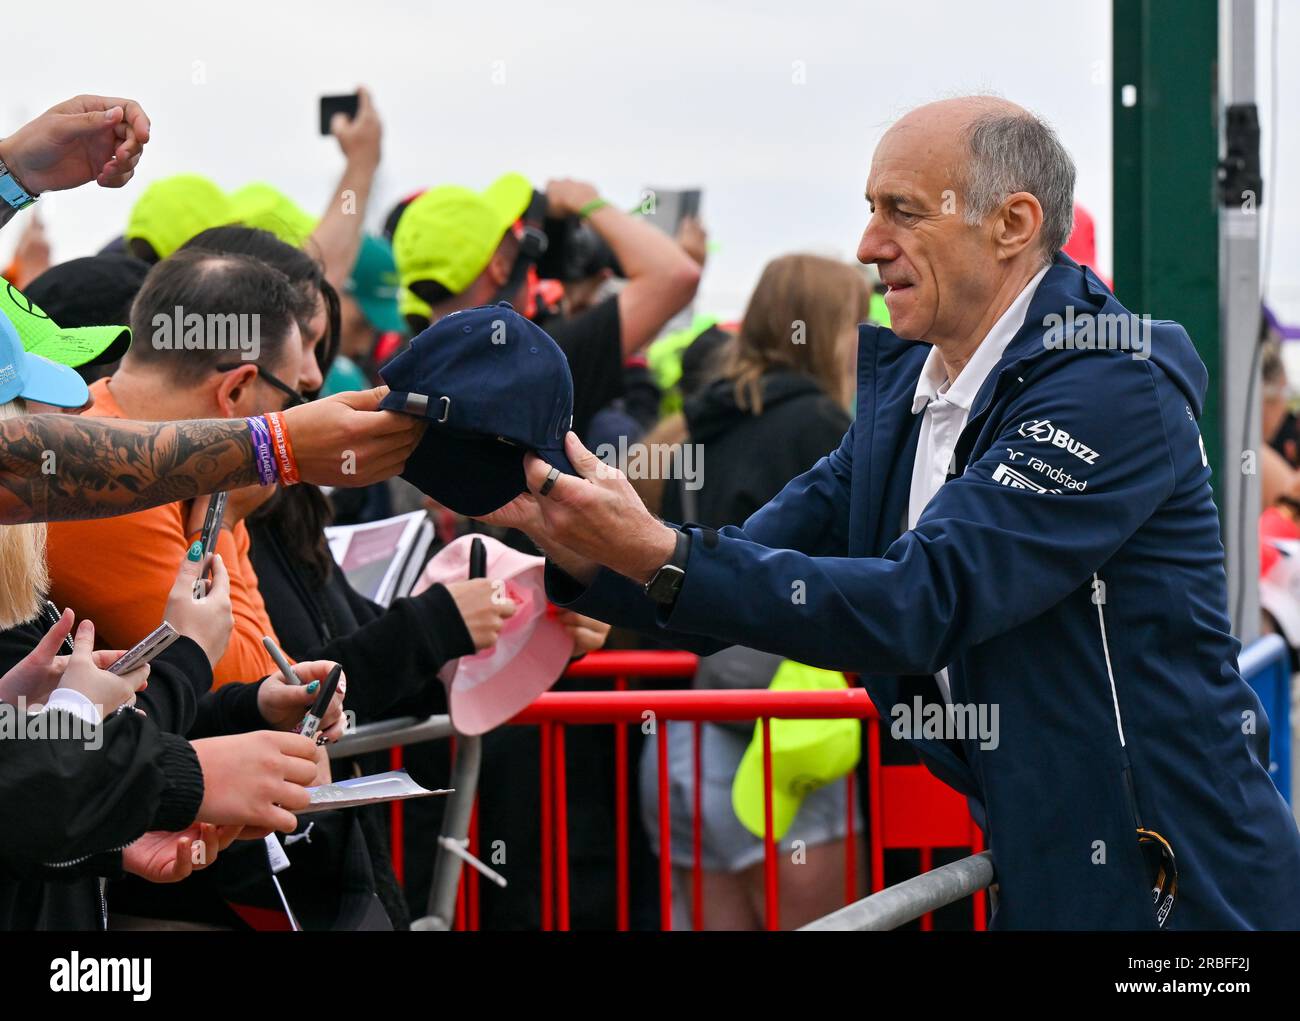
x=118, y=571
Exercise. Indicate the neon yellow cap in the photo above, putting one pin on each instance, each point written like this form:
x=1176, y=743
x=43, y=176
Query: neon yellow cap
x=266, y=207
x=806, y=754
x=171, y=211
x=449, y=233
x=409, y=305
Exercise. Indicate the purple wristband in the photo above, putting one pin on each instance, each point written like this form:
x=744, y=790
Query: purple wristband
x=267, y=469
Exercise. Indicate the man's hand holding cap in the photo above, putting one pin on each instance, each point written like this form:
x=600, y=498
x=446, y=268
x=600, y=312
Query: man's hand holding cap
x=345, y=440
x=599, y=515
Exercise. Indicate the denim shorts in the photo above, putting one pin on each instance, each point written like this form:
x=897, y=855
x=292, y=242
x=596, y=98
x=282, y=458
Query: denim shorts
x=726, y=846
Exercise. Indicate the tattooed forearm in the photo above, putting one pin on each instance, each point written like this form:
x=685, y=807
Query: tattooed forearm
x=63, y=467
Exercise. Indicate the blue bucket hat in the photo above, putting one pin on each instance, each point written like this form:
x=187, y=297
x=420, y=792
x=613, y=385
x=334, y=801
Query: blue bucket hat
x=492, y=385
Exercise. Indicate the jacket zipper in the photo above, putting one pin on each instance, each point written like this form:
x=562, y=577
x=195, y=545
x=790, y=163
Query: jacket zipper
x=84, y=857
x=102, y=882
x=1126, y=769
x=1110, y=673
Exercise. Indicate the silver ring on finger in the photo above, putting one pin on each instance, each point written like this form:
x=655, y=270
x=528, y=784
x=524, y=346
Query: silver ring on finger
x=549, y=484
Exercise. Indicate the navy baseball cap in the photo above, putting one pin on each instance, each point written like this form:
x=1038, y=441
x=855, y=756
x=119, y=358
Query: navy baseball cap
x=492, y=385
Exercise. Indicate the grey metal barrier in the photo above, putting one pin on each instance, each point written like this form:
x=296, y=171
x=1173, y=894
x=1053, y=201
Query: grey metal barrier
x=451, y=852
x=907, y=901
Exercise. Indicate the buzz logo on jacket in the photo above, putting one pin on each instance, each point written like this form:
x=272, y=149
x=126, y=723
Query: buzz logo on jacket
x=1042, y=430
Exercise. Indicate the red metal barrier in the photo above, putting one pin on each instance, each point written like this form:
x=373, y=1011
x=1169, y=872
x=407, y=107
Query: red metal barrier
x=554, y=711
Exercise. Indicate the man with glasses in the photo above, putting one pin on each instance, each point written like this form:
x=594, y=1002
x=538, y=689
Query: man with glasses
x=216, y=336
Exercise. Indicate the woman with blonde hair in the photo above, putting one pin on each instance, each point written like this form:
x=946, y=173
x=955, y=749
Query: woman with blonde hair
x=780, y=400
x=23, y=573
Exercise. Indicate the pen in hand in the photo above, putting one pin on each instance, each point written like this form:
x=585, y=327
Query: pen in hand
x=312, y=721
x=281, y=660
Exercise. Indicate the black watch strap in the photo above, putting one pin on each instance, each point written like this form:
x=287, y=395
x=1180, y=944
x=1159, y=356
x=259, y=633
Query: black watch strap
x=667, y=581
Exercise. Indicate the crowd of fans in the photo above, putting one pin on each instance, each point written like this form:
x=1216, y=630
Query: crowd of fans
x=159, y=828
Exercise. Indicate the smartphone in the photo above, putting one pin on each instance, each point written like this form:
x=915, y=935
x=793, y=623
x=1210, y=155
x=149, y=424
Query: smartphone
x=330, y=105
x=146, y=649
x=208, y=540
x=690, y=205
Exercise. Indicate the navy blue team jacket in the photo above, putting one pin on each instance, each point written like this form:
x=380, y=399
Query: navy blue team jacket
x=1070, y=572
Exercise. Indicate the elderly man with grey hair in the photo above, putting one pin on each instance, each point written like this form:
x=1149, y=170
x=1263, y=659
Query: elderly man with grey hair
x=1019, y=528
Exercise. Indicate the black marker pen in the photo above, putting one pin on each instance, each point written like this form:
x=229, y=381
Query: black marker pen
x=311, y=722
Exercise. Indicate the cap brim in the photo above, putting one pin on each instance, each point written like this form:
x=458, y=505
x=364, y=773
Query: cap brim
x=51, y=383
x=488, y=689
x=72, y=346
x=82, y=345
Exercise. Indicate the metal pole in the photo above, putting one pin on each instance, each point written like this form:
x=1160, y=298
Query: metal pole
x=1239, y=314
x=384, y=734
x=455, y=826
x=909, y=900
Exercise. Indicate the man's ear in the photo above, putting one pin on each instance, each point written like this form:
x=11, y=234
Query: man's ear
x=1017, y=225
x=231, y=390
x=498, y=269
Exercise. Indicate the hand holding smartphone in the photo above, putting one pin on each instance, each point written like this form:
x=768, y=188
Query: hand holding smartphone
x=330, y=105
x=146, y=649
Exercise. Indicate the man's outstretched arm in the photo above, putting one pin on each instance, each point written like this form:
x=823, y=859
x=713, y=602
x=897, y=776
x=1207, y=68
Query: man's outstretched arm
x=62, y=467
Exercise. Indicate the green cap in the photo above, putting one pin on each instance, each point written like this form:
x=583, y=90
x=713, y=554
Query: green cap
x=806, y=754
x=266, y=207
x=344, y=375
x=73, y=346
x=448, y=233
x=171, y=211
x=374, y=284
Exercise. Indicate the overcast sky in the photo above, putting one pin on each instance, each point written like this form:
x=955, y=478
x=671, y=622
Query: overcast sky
x=772, y=107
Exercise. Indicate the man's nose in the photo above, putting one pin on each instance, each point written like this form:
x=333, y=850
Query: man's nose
x=876, y=245
x=309, y=376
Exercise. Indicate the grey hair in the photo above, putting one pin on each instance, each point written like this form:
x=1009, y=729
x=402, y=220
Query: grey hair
x=1011, y=152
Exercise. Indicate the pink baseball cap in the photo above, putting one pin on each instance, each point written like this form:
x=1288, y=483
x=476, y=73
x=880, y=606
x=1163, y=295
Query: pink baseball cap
x=488, y=688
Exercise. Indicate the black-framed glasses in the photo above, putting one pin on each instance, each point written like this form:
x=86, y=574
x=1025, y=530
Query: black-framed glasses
x=295, y=398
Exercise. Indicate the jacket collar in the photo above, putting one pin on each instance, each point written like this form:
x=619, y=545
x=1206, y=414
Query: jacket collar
x=1065, y=283
x=933, y=382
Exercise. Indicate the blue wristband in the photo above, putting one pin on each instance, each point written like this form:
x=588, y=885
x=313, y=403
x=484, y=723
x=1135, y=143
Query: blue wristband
x=268, y=471
x=12, y=191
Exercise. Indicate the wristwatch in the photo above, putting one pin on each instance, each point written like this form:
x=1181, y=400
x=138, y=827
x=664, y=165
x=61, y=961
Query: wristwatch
x=12, y=192
x=667, y=581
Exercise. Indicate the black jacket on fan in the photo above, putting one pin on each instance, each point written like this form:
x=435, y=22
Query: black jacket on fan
x=391, y=658
x=748, y=458
x=66, y=811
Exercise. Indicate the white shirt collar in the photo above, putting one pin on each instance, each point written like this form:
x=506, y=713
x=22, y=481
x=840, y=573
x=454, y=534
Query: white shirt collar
x=933, y=382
